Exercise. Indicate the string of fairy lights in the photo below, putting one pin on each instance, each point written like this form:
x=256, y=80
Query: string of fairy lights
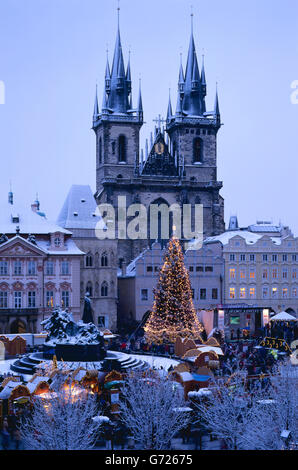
x=173, y=313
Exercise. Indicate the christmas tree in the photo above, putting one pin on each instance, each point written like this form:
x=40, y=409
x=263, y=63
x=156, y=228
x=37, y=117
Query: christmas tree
x=173, y=312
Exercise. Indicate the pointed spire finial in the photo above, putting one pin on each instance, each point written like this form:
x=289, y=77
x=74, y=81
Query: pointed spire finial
x=191, y=18
x=118, y=13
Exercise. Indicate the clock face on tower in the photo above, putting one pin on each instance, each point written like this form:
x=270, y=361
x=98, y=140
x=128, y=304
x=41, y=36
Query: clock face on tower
x=159, y=148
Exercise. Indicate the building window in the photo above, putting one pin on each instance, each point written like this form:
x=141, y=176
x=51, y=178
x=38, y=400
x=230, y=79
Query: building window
x=203, y=294
x=252, y=292
x=144, y=294
x=265, y=257
x=274, y=273
x=285, y=257
x=17, y=268
x=32, y=299
x=242, y=274
x=242, y=292
x=3, y=268
x=64, y=268
x=149, y=269
x=89, y=261
x=17, y=299
x=3, y=300
x=113, y=147
x=265, y=274
x=285, y=292
x=197, y=150
x=209, y=269
x=214, y=294
x=232, y=292
x=294, y=257
x=294, y=292
x=242, y=257
x=285, y=273
x=101, y=321
x=232, y=273
x=252, y=274
x=190, y=269
x=104, y=289
x=50, y=268
x=57, y=241
x=265, y=292
x=294, y=273
x=251, y=257
x=192, y=293
x=65, y=298
x=122, y=148
x=232, y=257
x=89, y=288
x=199, y=269
x=274, y=292
x=31, y=268
x=50, y=298
x=274, y=258
x=104, y=260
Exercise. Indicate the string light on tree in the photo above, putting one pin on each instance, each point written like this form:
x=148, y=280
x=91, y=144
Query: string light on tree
x=173, y=313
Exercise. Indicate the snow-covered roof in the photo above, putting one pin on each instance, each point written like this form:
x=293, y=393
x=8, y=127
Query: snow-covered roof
x=79, y=209
x=249, y=237
x=70, y=248
x=28, y=221
x=6, y=392
x=218, y=351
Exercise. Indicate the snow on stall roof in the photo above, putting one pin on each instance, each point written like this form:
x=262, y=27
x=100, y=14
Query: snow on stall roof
x=28, y=221
x=218, y=351
x=200, y=393
x=5, y=393
x=80, y=209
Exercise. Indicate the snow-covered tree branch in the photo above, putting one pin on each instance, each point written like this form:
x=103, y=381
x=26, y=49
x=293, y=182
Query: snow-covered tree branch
x=153, y=409
x=62, y=421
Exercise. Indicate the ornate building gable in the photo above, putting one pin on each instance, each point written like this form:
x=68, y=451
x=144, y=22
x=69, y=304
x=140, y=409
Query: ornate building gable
x=160, y=161
x=19, y=246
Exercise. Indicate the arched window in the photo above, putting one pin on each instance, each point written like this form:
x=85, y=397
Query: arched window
x=89, y=260
x=89, y=288
x=197, y=150
x=104, y=289
x=104, y=260
x=122, y=148
x=100, y=151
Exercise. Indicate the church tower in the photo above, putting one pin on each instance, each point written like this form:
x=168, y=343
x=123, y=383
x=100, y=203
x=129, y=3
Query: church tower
x=117, y=126
x=179, y=164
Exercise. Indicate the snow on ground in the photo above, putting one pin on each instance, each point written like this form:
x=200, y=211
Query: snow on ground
x=155, y=361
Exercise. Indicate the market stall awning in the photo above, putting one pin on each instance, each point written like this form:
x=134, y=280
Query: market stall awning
x=283, y=316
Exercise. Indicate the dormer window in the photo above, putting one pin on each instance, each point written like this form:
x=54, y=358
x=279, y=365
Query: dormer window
x=15, y=218
x=57, y=241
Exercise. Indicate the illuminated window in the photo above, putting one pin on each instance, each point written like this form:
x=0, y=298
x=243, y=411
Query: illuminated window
x=274, y=292
x=252, y=292
x=232, y=273
x=242, y=292
x=65, y=298
x=50, y=298
x=285, y=292
x=294, y=292
x=242, y=274
x=232, y=292
x=294, y=274
x=252, y=275
x=274, y=273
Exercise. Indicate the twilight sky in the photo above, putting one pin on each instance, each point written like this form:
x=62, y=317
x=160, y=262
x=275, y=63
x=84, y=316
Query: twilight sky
x=52, y=52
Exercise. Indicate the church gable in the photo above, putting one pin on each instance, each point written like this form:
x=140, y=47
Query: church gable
x=160, y=162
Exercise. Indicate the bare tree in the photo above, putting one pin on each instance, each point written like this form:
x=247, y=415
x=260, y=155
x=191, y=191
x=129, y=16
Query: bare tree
x=61, y=421
x=153, y=409
x=228, y=410
x=273, y=424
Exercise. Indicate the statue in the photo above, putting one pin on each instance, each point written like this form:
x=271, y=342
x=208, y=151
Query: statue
x=88, y=312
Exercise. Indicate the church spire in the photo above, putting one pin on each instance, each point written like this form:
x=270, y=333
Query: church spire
x=216, y=107
x=140, y=103
x=169, y=112
x=95, y=110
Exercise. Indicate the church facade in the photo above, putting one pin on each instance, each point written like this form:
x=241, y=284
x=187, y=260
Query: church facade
x=180, y=162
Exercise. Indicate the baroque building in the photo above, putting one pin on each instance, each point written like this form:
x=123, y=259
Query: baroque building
x=39, y=269
x=180, y=163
